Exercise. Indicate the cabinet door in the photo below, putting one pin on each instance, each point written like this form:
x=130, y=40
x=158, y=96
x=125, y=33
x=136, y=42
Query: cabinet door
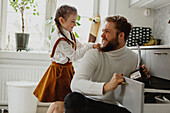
x=132, y=2
x=131, y=95
x=143, y=55
x=158, y=62
x=152, y=4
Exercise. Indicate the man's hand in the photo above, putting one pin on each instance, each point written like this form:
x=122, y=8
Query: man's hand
x=113, y=83
x=146, y=71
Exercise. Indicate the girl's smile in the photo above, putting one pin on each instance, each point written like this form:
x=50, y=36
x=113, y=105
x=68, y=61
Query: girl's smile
x=70, y=22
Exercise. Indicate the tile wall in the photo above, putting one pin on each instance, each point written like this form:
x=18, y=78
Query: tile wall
x=161, y=28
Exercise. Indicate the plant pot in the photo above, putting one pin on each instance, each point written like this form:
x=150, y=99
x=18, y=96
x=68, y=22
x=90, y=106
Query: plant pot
x=22, y=40
x=3, y=111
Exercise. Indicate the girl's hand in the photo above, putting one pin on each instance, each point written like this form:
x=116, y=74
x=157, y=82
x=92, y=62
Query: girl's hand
x=97, y=46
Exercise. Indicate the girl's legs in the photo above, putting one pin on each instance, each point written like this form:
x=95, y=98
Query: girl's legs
x=56, y=107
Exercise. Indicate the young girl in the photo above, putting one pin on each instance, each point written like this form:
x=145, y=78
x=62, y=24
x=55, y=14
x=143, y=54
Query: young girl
x=55, y=84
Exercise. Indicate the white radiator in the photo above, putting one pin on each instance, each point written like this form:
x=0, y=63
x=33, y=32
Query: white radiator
x=18, y=73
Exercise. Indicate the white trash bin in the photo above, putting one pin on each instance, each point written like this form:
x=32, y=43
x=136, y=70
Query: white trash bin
x=20, y=97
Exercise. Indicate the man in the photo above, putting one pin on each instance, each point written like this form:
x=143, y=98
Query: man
x=102, y=72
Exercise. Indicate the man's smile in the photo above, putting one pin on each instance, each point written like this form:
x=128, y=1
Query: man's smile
x=104, y=41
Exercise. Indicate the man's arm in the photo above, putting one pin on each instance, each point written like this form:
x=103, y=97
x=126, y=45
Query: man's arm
x=81, y=81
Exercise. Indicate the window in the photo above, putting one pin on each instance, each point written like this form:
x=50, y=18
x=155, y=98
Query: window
x=85, y=10
x=36, y=25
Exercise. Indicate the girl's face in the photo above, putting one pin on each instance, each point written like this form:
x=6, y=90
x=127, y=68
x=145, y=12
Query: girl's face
x=70, y=22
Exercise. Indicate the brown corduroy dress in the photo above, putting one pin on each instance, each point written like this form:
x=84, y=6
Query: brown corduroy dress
x=55, y=83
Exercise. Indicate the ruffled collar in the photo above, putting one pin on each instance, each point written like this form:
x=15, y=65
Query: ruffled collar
x=66, y=33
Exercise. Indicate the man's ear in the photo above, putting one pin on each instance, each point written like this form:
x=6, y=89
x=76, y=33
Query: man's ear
x=121, y=35
x=61, y=20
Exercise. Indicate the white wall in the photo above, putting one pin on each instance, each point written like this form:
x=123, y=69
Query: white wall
x=161, y=28
x=134, y=15
x=103, y=12
x=106, y=7
x=121, y=7
x=3, y=23
x=0, y=21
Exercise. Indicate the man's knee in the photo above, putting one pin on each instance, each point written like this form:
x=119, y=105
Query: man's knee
x=75, y=102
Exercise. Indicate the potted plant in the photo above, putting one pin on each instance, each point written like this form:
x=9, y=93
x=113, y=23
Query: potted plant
x=22, y=5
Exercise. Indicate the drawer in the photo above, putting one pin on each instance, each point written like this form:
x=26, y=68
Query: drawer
x=156, y=108
x=158, y=62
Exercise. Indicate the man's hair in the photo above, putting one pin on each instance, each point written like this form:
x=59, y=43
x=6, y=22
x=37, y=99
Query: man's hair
x=121, y=23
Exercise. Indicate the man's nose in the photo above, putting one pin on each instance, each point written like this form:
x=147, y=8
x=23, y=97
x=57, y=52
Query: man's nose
x=102, y=35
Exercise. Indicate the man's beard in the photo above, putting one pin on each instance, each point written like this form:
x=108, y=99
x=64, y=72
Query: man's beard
x=112, y=44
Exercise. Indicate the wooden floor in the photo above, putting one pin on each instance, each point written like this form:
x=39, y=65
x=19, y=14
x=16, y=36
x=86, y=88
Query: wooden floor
x=40, y=109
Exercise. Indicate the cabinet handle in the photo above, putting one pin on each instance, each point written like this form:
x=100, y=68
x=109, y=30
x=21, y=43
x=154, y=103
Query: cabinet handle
x=159, y=53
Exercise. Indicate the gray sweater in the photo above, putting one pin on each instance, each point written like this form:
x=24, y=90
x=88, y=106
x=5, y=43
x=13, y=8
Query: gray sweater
x=97, y=68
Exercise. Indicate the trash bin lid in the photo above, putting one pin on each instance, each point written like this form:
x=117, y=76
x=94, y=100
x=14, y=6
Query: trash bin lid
x=21, y=83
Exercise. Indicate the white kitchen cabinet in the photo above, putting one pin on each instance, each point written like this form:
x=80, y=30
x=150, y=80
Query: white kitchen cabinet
x=158, y=62
x=153, y=4
x=156, y=107
x=156, y=59
x=131, y=95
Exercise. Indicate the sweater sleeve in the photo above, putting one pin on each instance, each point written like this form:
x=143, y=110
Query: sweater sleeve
x=81, y=81
x=69, y=52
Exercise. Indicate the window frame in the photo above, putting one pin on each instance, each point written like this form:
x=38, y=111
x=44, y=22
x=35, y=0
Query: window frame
x=0, y=21
x=50, y=11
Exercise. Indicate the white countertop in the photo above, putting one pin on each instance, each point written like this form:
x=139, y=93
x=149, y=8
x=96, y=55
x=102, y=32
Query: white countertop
x=152, y=47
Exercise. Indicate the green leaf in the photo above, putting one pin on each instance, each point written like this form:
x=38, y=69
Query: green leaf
x=34, y=13
x=49, y=21
x=79, y=17
x=77, y=36
x=27, y=7
x=52, y=29
x=22, y=3
x=16, y=10
x=38, y=13
x=26, y=3
x=32, y=1
x=78, y=24
x=49, y=37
